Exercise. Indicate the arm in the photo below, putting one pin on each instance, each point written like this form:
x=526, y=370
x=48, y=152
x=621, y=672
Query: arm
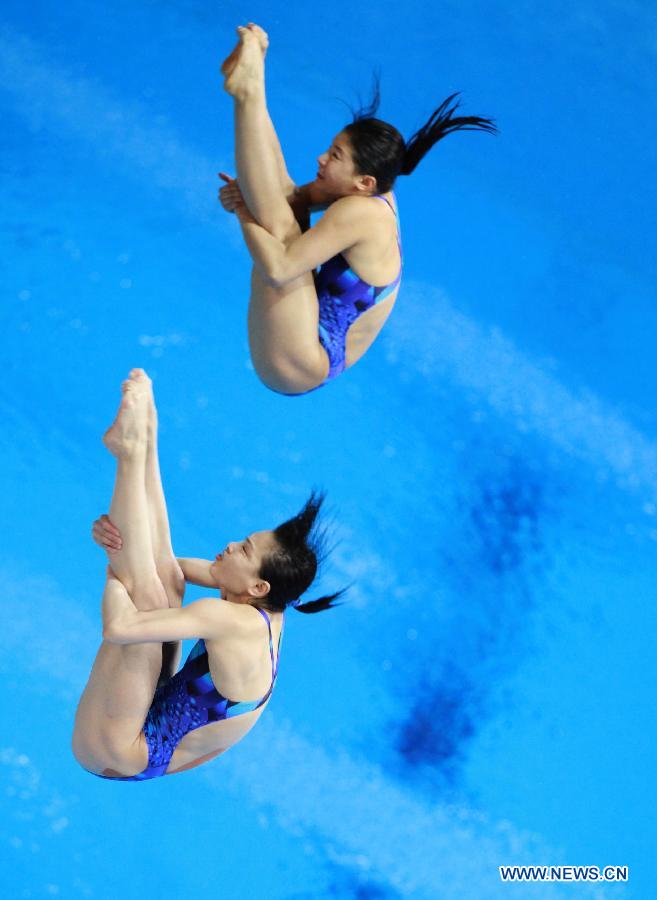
x=345, y=223
x=197, y=571
x=310, y=198
x=123, y=623
x=303, y=199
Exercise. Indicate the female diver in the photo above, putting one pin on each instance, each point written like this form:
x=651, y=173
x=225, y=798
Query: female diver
x=306, y=328
x=127, y=726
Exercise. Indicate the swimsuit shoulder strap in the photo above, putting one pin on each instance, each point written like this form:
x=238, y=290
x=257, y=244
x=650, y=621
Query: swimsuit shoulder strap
x=396, y=213
x=274, y=666
x=385, y=200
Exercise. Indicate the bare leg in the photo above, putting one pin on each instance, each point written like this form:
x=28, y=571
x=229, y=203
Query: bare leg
x=166, y=564
x=286, y=183
x=127, y=439
x=113, y=707
x=283, y=322
x=258, y=169
x=283, y=325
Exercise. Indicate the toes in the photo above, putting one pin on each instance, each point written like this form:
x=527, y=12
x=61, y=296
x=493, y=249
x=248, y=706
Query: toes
x=139, y=377
x=246, y=34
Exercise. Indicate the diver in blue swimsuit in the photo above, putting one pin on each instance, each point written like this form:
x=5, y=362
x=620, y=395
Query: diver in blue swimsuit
x=343, y=297
x=138, y=718
x=190, y=700
x=306, y=328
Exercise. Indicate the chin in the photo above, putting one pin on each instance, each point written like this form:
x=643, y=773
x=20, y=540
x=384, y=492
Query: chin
x=213, y=572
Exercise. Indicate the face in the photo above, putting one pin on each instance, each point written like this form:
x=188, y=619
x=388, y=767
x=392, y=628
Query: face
x=337, y=174
x=236, y=569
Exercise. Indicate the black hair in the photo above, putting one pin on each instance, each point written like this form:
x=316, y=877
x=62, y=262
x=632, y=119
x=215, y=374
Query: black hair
x=379, y=149
x=291, y=567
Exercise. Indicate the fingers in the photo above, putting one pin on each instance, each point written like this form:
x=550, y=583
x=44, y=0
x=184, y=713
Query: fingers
x=229, y=190
x=229, y=194
x=109, y=526
x=106, y=534
x=227, y=201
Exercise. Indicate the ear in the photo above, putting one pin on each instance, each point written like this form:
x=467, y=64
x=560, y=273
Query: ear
x=367, y=184
x=260, y=589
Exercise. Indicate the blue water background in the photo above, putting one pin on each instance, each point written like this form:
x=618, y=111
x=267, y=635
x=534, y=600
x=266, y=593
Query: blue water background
x=487, y=695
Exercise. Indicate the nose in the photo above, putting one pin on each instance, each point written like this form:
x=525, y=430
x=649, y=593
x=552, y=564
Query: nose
x=321, y=159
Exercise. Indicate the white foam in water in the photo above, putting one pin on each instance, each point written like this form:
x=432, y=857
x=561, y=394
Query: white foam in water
x=49, y=96
x=517, y=388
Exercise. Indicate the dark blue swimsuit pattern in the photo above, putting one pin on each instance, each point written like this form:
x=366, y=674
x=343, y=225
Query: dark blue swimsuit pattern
x=189, y=700
x=343, y=297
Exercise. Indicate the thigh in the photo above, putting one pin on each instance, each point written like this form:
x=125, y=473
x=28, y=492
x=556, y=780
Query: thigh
x=284, y=335
x=114, y=705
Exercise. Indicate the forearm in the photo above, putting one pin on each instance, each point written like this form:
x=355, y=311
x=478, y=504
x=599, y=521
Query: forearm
x=311, y=197
x=197, y=571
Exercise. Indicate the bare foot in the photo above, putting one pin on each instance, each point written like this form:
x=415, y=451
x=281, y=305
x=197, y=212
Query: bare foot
x=230, y=62
x=128, y=433
x=144, y=383
x=261, y=34
x=244, y=68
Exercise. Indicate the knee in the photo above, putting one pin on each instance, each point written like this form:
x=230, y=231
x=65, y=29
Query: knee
x=149, y=593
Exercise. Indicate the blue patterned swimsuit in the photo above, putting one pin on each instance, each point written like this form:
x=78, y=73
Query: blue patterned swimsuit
x=343, y=297
x=188, y=701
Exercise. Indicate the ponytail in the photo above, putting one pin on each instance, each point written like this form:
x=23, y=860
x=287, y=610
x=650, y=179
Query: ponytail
x=313, y=606
x=379, y=149
x=441, y=123
x=291, y=567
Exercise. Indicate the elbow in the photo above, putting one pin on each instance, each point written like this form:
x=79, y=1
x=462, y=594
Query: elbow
x=275, y=276
x=278, y=272
x=112, y=632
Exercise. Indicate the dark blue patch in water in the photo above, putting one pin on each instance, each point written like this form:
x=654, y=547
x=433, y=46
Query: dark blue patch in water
x=505, y=513
x=349, y=885
x=487, y=564
x=440, y=722
x=352, y=886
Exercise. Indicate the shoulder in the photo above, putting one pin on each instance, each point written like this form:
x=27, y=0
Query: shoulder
x=353, y=207
x=361, y=211
x=216, y=612
x=236, y=620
